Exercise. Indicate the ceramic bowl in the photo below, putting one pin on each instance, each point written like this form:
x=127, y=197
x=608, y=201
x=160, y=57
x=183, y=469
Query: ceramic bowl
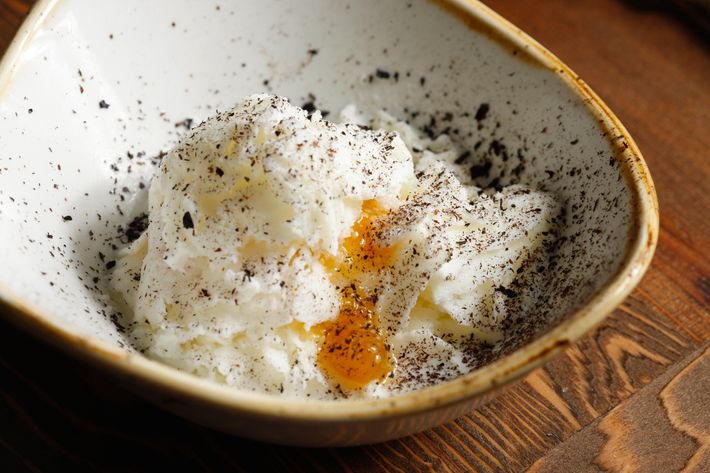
x=92, y=92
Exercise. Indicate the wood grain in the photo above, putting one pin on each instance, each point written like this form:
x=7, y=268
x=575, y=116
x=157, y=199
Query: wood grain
x=664, y=427
x=632, y=396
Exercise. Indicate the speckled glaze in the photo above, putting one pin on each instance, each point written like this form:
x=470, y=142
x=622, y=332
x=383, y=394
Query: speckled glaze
x=92, y=93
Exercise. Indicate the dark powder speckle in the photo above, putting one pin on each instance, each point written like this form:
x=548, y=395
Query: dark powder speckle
x=136, y=228
x=187, y=220
x=186, y=123
x=480, y=170
x=309, y=107
x=382, y=74
x=482, y=112
x=461, y=159
x=506, y=291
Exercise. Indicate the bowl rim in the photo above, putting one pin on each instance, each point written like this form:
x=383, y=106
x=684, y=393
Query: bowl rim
x=642, y=240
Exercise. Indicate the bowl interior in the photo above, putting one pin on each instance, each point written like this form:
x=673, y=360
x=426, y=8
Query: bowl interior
x=103, y=88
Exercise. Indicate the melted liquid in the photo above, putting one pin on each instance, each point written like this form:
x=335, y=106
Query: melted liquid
x=353, y=350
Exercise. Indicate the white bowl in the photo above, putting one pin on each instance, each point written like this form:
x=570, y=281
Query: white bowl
x=90, y=91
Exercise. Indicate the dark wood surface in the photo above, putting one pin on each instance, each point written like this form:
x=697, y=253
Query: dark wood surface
x=632, y=396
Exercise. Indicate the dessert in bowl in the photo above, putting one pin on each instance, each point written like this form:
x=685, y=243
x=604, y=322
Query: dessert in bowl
x=89, y=116
x=287, y=254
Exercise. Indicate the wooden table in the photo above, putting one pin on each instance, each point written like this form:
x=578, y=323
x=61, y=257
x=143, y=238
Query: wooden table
x=632, y=396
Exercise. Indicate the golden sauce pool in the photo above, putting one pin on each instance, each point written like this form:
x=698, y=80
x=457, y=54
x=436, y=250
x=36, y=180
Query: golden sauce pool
x=353, y=350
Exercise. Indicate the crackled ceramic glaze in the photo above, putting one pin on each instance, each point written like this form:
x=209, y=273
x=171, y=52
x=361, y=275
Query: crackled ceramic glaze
x=92, y=93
